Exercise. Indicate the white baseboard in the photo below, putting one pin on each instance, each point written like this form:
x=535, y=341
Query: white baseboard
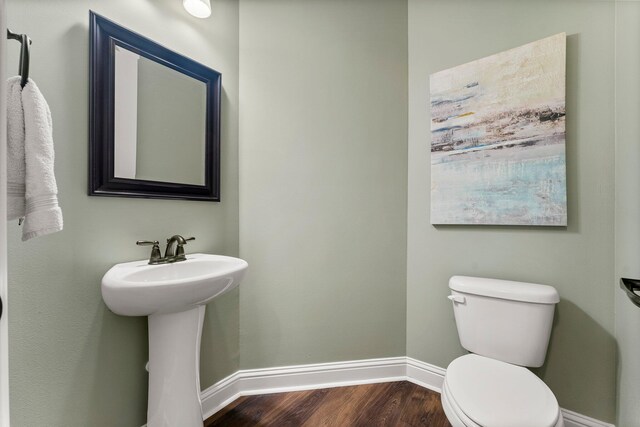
x=574, y=419
x=302, y=377
x=339, y=374
x=424, y=374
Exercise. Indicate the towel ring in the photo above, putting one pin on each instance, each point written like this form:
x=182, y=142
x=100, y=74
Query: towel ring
x=25, y=54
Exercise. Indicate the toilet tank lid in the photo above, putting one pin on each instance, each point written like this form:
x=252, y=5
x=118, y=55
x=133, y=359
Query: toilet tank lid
x=505, y=289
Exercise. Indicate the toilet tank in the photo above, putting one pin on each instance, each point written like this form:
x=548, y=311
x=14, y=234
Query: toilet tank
x=504, y=320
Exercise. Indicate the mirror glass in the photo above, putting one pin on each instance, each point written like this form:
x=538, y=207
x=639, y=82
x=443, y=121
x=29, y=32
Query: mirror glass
x=159, y=121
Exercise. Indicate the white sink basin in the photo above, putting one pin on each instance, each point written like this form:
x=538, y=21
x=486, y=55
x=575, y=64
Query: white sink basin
x=173, y=296
x=139, y=289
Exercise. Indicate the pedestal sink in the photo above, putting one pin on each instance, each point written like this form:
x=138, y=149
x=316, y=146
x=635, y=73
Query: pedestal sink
x=173, y=296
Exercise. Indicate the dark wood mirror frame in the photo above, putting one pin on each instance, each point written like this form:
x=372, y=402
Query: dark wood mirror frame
x=105, y=36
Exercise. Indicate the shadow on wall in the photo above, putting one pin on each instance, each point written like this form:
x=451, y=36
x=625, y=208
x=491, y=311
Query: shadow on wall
x=577, y=344
x=114, y=342
x=219, y=346
x=571, y=129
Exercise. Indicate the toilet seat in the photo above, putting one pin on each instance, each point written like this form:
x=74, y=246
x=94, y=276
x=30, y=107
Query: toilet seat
x=483, y=392
x=455, y=415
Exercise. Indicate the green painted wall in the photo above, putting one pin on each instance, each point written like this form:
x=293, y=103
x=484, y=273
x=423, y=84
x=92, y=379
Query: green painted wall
x=73, y=363
x=323, y=180
x=577, y=260
x=627, y=207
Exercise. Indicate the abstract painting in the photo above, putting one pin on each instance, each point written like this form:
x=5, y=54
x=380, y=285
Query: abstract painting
x=498, y=138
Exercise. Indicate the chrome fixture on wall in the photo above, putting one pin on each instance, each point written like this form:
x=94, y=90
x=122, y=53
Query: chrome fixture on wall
x=23, y=68
x=632, y=289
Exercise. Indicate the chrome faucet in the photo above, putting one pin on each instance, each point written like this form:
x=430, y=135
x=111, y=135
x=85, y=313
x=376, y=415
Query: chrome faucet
x=174, y=252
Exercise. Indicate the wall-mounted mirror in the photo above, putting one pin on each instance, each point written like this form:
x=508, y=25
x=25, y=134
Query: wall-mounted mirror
x=154, y=119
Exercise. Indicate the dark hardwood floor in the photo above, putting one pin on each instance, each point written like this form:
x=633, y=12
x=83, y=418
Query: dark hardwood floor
x=388, y=404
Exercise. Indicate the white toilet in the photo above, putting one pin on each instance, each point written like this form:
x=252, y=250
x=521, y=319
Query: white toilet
x=506, y=326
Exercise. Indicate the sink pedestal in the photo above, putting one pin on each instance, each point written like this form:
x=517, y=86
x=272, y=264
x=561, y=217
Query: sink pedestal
x=174, y=369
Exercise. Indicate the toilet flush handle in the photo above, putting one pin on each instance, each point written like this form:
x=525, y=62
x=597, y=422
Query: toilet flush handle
x=456, y=298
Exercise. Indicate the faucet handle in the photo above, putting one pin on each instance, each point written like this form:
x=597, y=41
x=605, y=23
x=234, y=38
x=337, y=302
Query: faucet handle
x=147, y=242
x=156, y=256
x=179, y=239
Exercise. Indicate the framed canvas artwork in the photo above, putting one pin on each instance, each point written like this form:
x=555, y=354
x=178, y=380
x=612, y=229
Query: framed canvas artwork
x=498, y=138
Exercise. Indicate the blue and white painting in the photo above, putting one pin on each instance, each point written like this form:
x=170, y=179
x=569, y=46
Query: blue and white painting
x=498, y=138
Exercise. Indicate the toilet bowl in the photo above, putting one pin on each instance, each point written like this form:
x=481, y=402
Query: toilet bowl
x=506, y=326
x=483, y=392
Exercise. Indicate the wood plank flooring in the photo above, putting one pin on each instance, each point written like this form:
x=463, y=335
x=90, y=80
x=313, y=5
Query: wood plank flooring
x=388, y=404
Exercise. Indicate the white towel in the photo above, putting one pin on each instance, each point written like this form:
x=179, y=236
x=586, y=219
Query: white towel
x=42, y=215
x=15, y=150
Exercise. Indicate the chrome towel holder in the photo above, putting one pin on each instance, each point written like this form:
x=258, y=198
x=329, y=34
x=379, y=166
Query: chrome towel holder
x=23, y=68
x=632, y=288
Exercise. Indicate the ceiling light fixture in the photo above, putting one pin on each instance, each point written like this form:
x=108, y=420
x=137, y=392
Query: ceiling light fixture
x=198, y=8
